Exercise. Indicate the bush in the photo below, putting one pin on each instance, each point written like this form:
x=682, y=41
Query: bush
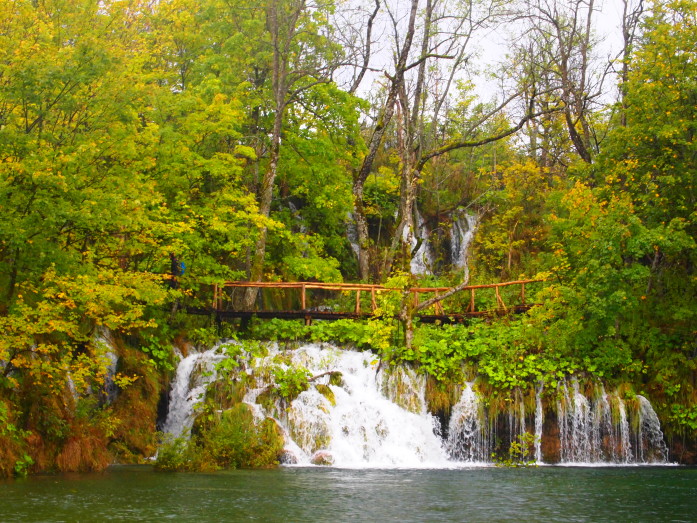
x=233, y=441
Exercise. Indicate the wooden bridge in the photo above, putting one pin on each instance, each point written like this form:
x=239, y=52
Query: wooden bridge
x=308, y=300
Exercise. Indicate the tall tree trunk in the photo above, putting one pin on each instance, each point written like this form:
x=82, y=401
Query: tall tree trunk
x=265, y=199
x=412, y=149
x=279, y=82
x=374, y=143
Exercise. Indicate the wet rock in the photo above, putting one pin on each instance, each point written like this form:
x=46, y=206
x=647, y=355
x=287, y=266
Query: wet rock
x=325, y=391
x=322, y=457
x=287, y=457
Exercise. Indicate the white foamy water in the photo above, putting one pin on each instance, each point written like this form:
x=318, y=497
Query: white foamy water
x=539, y=421
x=363, y=428
x=194, y=373
x=375, y=417
x=422, y=260
x=468, y=439
x=461, y=236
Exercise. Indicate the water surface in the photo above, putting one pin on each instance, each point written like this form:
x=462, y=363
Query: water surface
x=327, y=494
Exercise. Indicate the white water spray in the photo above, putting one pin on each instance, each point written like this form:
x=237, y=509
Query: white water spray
x=539, y=421
x=358, y=426
x=468, y=439
x=377, y=417
x=462, y=234
x=194, y=373
x=651, y=447
x=422, y=259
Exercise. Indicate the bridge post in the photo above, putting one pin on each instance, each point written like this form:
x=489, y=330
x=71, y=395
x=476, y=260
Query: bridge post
x=439, y=306
x=499, y=300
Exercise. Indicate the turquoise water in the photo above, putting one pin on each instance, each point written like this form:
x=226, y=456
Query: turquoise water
x=325, y=494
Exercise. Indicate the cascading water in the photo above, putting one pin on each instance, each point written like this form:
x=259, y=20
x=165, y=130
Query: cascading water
x=352, y=234
x=297, y=217
x=650, y=444
x=194, y=373
x=356, y=413
x=110, y=388
x=468, y=437
x=105, y=342
x=588, y=433
x=463, y=229
x=357, y=425
x=539, y=422
x=422, y=259
x=576, y=426
x=625, y=444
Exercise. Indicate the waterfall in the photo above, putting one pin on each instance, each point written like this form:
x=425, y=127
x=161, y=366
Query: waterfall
x=589, y=435
x=194, y=373
x=539, y=421
x=651, y=447
x=357, y=412
x=297, y=217
x=464, y=227
x=422, y=259
x=352, y=234
x=107, y=348
x=468, y=438
x=625, y=445
x=357, y=425
x=110, y=388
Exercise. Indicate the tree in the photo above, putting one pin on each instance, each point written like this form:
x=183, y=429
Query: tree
x=84, y=227
x=560, y=46
x=302, y=57
x=385, y=114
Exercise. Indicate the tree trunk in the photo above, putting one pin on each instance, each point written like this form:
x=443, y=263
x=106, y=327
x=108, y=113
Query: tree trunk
x=279, y=79
x=374, y=143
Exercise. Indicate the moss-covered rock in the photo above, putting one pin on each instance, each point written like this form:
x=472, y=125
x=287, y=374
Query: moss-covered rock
x=269, y=400
x=403, y=385
x=322, y=457
x=441, y=397
x=308, y=422
x=234, y=440
x=336, y=379
x=327, y=392
x=136, y=407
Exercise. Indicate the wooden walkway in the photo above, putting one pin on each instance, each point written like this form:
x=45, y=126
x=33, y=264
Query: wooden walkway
x=308, y=306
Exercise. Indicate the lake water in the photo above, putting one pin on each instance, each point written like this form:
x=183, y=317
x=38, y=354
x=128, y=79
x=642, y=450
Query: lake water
x=329, y=494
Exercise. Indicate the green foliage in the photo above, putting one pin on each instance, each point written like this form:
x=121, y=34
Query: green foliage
x=375, y=334
x=234, y=440
x=159, y=350
x=276, y=329
x=290, y=382
x=516, y=231
x=684, y=416
x=134, y=137
x=22, y=466
x=174, y=455
x=520, y=453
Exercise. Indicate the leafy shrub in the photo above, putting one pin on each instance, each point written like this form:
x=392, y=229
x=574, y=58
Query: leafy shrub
x=235, y=440
x=520, y=452
x=291, y=381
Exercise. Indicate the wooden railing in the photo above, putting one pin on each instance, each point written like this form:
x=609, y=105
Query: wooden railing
x=374, y=290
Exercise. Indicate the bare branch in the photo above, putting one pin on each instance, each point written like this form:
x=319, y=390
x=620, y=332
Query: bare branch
x=366, y=54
